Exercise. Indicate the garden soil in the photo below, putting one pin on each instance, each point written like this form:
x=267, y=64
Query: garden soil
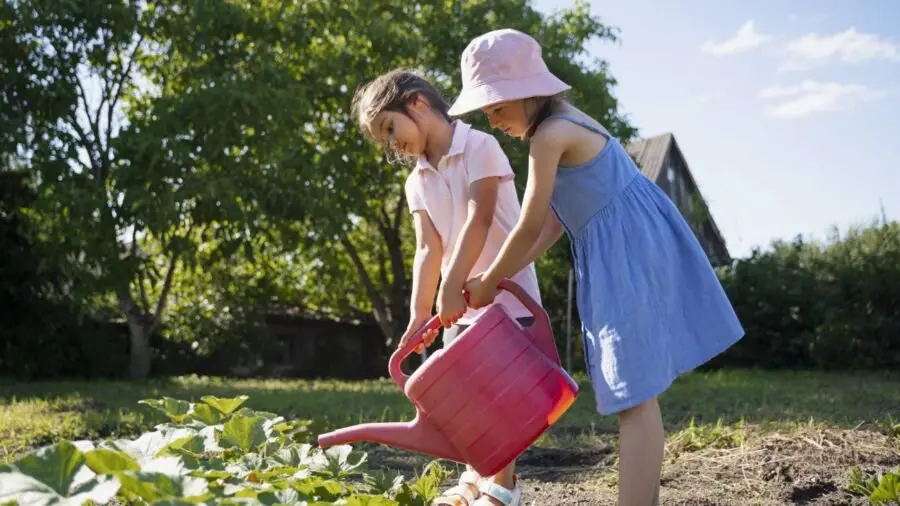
x=806, y=467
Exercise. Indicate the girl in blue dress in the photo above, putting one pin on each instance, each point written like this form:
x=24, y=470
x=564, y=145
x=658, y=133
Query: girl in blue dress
x=651, y=305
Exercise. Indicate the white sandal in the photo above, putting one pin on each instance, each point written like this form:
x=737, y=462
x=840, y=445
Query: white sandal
x=505, y=496
x=467, y=490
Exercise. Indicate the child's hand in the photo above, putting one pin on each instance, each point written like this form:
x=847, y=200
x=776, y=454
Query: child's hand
x=480, y=294
x=451, y=306
x=416, y=323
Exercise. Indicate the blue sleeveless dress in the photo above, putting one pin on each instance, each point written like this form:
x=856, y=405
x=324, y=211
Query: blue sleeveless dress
x=650, y=303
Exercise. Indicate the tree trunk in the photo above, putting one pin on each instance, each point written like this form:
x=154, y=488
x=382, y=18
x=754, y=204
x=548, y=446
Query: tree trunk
x=139, y=337
x=139, y=358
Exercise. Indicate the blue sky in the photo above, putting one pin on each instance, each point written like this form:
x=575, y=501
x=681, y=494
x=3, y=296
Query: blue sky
x=788, y=113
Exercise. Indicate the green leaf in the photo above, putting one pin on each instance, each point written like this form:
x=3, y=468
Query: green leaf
x=370, y=500
x=150, y=444
x=205, y=413
x=385, y=483
x=190, y=445
x=23, y=489
x=153, y=486
x=328, y=490
x=107, y=461
x=244, y=432
x=339, y=463
x=263, y=414
x=888, y=491
x=428, y=484
x=284, y=496
x=176, y=409
x=54, y=466
x=286, y=456
x=225, y=406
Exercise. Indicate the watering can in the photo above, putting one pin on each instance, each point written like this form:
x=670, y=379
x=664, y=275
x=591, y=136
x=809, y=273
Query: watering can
x=483, y=399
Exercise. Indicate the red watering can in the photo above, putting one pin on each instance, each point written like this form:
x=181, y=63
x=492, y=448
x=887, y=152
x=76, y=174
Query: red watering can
x=482, y=400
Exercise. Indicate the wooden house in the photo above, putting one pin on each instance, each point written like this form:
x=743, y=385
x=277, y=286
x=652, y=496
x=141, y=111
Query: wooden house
x=660, y=159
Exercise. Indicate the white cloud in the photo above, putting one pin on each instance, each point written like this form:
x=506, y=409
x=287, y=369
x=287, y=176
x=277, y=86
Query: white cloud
x=850, y=46
x=811, y=97
x=745, y=39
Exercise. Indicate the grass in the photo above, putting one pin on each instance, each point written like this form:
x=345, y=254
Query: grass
x=700, y=410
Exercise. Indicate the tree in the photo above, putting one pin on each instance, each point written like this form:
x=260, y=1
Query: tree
x=155, y=130
x=149, y=123
x=360, y=211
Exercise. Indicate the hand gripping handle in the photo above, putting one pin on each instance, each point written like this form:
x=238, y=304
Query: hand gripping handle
x=540, y=333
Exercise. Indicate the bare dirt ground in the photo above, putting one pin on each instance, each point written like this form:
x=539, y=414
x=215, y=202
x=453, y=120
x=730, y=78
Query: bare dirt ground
x=806, y=467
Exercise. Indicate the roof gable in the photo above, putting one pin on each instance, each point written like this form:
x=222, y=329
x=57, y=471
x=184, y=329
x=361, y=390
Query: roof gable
x=650, y=153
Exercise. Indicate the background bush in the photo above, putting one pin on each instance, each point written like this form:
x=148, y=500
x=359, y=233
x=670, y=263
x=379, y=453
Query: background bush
x=833, y=305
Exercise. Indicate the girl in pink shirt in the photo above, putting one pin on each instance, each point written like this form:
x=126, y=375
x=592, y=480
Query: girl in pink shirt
x=464, y=205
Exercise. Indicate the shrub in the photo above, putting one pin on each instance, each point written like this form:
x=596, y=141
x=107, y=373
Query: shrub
x=812, y=305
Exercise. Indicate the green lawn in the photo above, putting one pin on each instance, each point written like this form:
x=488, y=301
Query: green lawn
x=38, y=413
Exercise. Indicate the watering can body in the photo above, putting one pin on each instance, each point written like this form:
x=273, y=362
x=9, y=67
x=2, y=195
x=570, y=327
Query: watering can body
x=483, y=399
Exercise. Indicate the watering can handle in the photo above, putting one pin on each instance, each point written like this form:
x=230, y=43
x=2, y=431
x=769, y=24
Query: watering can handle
x=394, y=367
x=539, y=331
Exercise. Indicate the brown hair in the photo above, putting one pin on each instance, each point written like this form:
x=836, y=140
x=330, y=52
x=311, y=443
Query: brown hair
x=545, y=107
x=392, y=92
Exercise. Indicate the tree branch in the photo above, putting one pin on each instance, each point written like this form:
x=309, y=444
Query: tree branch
x=394, y=241
x=377, y=302
x=118, y=91
x=398, y=213
x=87, y=112
x=142, y=275
x=105, y=94
x=85, y=140
x=384, y=220
x=382, y=270
x=167, y=285
x=145, y=302
x=164, y=295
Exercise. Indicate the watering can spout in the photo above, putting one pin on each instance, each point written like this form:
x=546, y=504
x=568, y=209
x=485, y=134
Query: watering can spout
x=416, y=435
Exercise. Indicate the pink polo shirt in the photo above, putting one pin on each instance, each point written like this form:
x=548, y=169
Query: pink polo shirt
x=443, y=193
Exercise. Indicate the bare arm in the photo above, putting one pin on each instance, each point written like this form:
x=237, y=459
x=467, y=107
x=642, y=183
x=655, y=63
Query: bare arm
x=482, y=203
x=546, y=148
x=550, y=233
x=426, y=266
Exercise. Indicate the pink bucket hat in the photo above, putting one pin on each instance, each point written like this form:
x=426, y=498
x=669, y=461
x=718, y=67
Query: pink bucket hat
x=503, y=65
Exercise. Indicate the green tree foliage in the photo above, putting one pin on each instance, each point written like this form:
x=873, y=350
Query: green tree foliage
x=172, y=141
x=832, y=306
x=131, y=144
x=43, y=331
x=363, y=222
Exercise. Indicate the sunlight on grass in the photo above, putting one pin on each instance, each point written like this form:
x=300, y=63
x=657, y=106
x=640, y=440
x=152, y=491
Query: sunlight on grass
x=700, y=409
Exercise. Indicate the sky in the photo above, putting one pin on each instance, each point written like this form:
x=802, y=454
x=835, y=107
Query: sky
x=788, y=113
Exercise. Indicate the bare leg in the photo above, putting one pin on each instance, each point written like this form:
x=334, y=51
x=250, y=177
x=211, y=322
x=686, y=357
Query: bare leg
x=641, y=447
x=505, y=478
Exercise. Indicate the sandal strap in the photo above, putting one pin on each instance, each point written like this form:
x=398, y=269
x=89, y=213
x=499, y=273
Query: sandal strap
x=470, y=478
x=505, y=496
x=467, y=481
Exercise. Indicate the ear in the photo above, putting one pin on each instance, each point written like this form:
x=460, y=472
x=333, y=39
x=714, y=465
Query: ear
x=418, y=103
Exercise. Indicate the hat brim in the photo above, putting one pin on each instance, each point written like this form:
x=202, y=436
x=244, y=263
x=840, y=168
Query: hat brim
x=544, y=84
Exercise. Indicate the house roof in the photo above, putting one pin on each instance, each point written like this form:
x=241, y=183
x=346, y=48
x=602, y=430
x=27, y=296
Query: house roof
x=650, y=155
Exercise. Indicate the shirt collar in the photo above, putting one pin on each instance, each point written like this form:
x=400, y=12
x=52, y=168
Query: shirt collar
x=457, y=144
